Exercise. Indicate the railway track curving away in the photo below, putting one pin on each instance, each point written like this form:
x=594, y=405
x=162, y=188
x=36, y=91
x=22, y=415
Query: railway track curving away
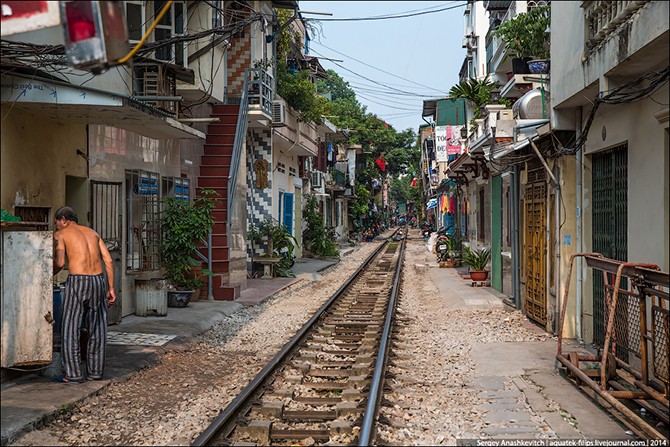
x=326, y=383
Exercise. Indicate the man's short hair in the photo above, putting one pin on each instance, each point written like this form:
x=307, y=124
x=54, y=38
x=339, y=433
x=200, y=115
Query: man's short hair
x=68, y=213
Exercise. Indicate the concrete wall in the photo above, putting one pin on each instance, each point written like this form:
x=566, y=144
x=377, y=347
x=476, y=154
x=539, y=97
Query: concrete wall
x=37, y=154
x=573, y=70
x=112, y=152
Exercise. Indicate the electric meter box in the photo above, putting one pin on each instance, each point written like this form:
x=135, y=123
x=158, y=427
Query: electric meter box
x=96, y=35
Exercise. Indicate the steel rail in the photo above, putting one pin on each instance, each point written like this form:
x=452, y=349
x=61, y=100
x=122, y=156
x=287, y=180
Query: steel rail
x=376, y=387
x=224, y=418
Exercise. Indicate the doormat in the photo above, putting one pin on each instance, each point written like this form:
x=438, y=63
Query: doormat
x=136, y=338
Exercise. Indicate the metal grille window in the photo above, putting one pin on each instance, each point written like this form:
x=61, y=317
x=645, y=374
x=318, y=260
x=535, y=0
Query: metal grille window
x=481, y=214
x=143, y=225
x=610, y=223
x=106, y=212
x=177, y=187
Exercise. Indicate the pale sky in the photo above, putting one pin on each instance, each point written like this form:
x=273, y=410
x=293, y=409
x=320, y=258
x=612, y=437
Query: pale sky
x=424, y=49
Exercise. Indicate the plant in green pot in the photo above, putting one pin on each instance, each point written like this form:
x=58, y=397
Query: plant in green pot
x=185, y=226
x=526, y=37
x=477, y=260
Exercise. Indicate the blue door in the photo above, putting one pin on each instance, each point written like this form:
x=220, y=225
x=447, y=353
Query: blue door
x=288, y=212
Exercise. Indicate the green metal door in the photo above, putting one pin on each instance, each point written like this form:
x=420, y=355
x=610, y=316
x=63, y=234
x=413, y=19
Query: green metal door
x=610, y=222
x=496, y=233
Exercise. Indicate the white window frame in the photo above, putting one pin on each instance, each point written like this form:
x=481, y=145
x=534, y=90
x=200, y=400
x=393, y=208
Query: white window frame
x=142, y=6
x=173, y=32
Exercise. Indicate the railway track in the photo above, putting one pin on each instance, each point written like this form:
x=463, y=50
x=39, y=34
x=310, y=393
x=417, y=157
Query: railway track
x=327, y=382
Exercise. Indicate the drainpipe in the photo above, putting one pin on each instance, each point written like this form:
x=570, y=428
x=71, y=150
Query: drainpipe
x=557, y=250
x=578, y=233
x=516, y=264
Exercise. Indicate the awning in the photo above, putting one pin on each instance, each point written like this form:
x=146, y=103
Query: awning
x=525, y=131
x=62, y=102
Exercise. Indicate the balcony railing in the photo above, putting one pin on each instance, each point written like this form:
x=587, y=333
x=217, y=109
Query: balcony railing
x=260, y=91
x=602, y=18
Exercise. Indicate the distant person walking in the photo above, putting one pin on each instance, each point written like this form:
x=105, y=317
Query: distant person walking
x=85, y=289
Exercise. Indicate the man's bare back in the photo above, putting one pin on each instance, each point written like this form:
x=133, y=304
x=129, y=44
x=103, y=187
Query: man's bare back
x=83, y=248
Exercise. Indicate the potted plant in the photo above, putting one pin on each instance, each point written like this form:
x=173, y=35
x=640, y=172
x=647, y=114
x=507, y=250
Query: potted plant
x=477, y=260
x=454, y=250
x=185, y=226
x=526, y=37
x=279, y=246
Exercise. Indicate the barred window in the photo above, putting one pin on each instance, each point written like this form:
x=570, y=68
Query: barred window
x=143, y=220
x=177, y=187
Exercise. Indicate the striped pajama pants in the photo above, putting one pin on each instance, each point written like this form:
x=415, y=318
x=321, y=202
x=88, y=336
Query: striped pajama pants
x=84, y=292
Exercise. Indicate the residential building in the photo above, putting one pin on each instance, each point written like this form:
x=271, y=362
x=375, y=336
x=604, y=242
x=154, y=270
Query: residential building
x=609, y=84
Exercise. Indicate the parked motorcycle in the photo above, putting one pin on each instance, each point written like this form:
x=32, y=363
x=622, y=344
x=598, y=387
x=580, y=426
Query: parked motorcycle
x=442, y=244
x=426, y=230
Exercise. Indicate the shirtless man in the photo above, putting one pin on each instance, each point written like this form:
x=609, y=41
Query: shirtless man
x=85, y=288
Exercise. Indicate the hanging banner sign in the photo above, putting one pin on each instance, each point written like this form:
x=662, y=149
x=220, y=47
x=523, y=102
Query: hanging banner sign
x=441, y=144
x=453, y=139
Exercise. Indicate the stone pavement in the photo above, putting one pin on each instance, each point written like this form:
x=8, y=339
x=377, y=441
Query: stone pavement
x=524, y=393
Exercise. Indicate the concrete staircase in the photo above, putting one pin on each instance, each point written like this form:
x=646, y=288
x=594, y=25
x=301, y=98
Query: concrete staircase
x=214, y=171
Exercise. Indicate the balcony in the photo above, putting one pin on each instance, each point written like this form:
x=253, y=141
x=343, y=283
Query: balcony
x=499, y=62
x=603, y=18
x=297, y=137
x=519, y=84
x=260, y=84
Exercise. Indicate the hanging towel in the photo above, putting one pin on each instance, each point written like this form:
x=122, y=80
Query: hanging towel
x=452, y=205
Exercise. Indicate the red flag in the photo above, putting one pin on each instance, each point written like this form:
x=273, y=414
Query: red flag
x=413, y=183
x=381, y=163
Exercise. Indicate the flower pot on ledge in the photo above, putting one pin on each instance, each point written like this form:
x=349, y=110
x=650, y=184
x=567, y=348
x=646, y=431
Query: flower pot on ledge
x=479, y=275
x=538, y=66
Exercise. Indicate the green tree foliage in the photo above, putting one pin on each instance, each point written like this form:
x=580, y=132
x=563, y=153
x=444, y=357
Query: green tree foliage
x=315, y=237
x=478, y=92
x=526, y=34
x=296, y=86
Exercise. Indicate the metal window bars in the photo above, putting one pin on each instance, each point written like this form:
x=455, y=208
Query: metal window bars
x=106, y=212
x=143, y=214
x=637, y=304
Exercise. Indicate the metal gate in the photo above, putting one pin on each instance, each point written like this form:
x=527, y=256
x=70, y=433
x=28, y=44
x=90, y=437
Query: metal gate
x=536, y=247
x=106, y=220
x=610, y=223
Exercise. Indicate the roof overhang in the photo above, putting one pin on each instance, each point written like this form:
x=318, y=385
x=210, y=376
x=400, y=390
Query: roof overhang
x=430, y=106
x=524, y=132
x=70, y=103
x=285, y=4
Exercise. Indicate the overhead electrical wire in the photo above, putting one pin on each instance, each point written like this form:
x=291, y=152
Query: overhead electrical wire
x=379, y=69
x=387, y=17
x=624, y=94
x=378, y=83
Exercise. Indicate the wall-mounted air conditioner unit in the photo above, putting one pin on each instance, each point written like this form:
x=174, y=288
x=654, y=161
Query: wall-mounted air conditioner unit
x=278, y=113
